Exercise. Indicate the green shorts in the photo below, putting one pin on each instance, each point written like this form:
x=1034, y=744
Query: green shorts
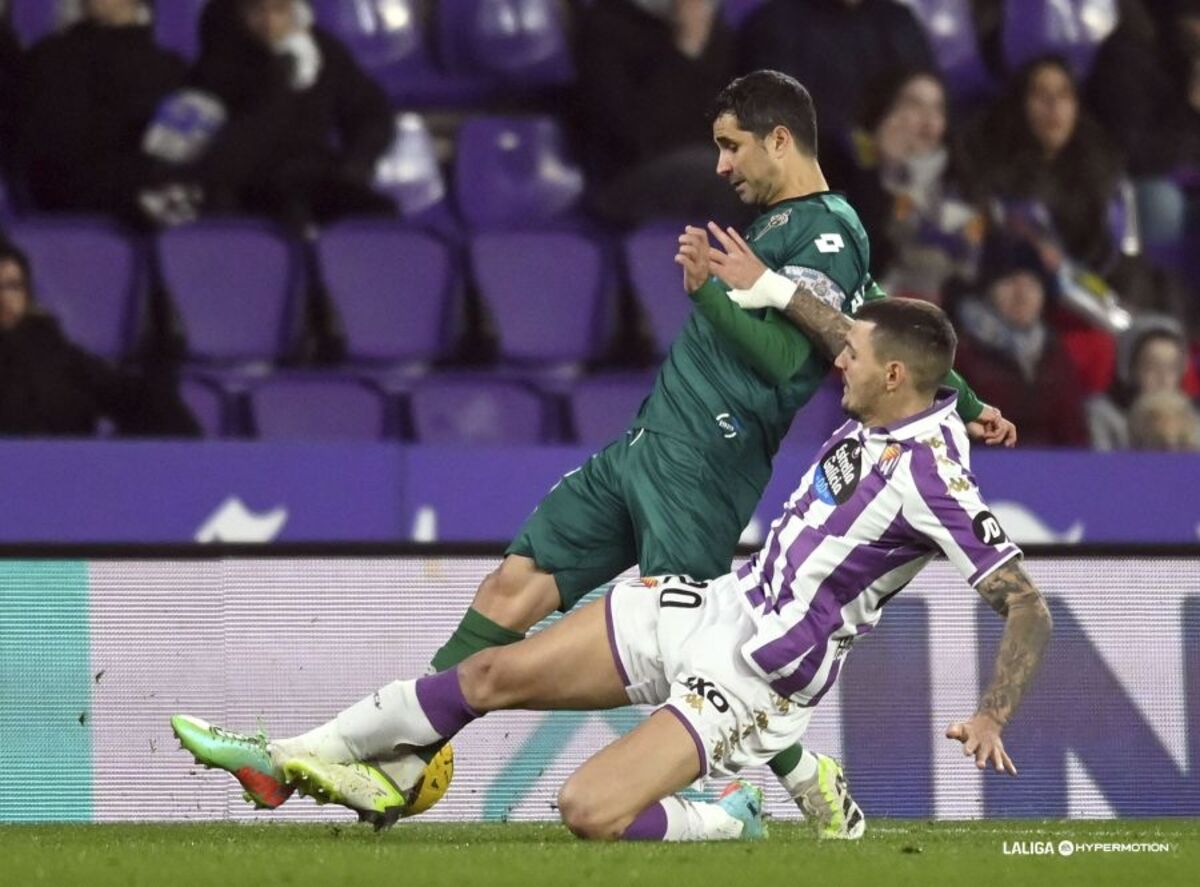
x=645, y=499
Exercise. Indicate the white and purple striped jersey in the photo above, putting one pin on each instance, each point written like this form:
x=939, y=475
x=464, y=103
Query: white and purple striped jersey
x=873, y=510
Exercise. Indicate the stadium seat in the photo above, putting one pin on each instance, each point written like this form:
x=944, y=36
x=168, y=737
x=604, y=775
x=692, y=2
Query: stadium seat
x=392, y=287
x=316, y=407
x=602, y=407
x=657, y=281
x=544, y=292
x=233, y=283
x=1070, y=28
x=520, y=41
x=737, y=10
x=88, y=275
x=819, y=418
x=390, y=40
x=409, y=172
x=177, y=26
x=514, y=171
x=33, y=19
x=950, y=27
x=207, y=403
x=478, y=410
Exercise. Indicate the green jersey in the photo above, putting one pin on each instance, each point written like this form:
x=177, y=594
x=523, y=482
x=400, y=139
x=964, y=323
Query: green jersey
x=712, y=393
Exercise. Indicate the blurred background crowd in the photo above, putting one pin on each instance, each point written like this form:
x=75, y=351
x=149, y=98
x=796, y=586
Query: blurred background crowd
x=454, y=219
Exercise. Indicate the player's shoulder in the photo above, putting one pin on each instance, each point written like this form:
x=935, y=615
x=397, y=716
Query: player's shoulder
x=939, y=448
x=821, y=225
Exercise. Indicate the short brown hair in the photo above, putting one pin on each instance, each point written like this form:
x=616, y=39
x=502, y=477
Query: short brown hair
x=916, y=333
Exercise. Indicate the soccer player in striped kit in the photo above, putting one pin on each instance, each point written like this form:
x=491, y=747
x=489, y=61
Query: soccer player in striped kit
x=737, y=664
x=675, y=492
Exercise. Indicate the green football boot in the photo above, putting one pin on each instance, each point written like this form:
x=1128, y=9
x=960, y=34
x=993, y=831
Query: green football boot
x=244, y=757
x=363, y=787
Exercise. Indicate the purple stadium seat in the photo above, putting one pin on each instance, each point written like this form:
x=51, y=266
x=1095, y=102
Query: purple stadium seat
x=317, y=408
x=232, y=282
x=950, y=26
x=477, y=411
x=514, y=171
x=176, y=25
x=384, y=35
x=521, y=41
x=818, y=419
x=392, y=287
x=1070, y=28
x=602, y=407
x=409, y=171
x=544, y=292
x=657, y=281
x=736, y=10
x=33, y=19
x=207, y=403
x=88, y=275
x=390, y=40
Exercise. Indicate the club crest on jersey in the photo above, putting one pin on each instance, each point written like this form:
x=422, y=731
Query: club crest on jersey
x=837, y=473
x=776, y=221
x=890, y=459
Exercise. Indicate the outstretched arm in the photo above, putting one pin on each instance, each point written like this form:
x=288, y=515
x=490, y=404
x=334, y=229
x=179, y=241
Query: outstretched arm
x=807, y=304
x=1010, y=592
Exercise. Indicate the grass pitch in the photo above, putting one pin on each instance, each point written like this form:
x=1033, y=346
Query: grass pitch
x=473, y=855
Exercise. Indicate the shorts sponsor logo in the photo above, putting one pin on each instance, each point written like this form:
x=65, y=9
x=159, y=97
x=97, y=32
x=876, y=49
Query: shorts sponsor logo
x=987, y=529
x=705, y=690
x=837, y=473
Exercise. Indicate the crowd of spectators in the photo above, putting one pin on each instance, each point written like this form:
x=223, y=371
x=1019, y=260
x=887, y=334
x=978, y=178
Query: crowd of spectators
x=1050, y=218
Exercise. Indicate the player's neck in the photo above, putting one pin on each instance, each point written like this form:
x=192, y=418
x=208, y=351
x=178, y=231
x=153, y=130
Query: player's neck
x=894, y=409
x=805, y=179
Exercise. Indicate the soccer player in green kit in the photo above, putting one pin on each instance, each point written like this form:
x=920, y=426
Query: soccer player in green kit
x=674, y=494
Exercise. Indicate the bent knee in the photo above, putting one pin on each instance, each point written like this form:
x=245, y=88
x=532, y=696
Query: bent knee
x=586, y=818
x=517, y=595
x=488, y=680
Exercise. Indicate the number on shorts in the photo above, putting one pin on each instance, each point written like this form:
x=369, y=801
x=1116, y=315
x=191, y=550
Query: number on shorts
x=686, y=598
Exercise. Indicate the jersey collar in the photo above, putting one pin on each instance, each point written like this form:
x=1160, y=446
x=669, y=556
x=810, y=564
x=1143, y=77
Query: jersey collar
x=944, y=403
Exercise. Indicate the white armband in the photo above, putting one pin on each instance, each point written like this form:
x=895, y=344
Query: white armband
x=771, y=290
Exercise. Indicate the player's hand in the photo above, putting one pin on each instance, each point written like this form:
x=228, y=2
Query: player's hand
x=992, y=428
x=694, y=256
x=737, y=265
x=980, y=737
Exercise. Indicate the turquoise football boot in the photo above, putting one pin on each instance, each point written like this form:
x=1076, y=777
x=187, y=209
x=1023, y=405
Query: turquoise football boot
x=244, y=757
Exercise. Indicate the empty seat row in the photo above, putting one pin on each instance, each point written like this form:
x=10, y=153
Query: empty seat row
x=237, y=286
x=455, y=51
x=455, y=409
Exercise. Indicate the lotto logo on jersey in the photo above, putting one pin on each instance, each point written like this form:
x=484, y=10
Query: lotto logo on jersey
x=830, y=243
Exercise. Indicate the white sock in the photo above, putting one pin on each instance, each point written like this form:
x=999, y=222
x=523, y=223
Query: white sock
x=801, y=776
x=698, y=821
x=383, y=725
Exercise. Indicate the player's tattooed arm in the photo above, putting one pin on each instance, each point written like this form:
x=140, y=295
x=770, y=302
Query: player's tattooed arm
x=1010, y=592
x=808, y=298
x=824, y=325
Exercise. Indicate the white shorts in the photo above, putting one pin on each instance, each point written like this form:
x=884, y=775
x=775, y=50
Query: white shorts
x=677, y=643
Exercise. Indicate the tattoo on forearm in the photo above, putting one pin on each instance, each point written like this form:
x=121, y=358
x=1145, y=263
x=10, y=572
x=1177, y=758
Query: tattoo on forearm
x=826, y=326
x=1011, y=593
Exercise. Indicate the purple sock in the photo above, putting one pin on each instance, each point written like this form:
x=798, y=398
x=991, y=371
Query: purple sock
x=650, y=825
x=442, y=700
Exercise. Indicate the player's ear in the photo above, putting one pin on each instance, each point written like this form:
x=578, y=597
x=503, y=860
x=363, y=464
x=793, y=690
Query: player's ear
x=895, y=375
x=780, y=140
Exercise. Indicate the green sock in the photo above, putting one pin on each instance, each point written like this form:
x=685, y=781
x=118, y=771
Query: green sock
x=785, y=762
x=476, y=632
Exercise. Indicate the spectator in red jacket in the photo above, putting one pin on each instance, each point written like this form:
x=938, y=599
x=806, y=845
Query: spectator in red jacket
x=1012, y=356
